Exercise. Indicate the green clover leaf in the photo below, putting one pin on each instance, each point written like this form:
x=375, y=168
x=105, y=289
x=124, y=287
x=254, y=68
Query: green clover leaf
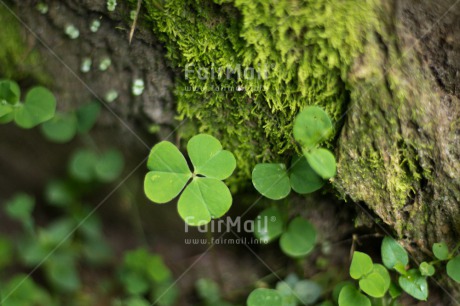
x=299, y=238
x=303, y=178
x=361, y=264
x=350, y=296
x=376, y=283
x=204, y=195
x=39, y=106
x=322, y=161
x=393, y=253
x=453, y=269
x=414, y=284
x=169, y=173
x=268, y=225
x=262, y=297
x=9, y=92
x=312, y=126
x=271, y=180
x=441, y=250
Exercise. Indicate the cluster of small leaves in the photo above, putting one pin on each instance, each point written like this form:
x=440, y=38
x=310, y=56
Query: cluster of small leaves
x=39, y=105
x=76, y=235
x=374, y=279
x=290, y=292
x=64, y=126
x=307, y=173
x=296, y=240
x=144, y=274
x=204, y=195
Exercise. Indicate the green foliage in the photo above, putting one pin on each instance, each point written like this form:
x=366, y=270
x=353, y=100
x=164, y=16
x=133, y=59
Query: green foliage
x=271, y=180
x=143, y=272
x=299, y=239
x=294, y=291
x=271, y=38
x=88, y=166
x=21, y=290
x=361, y=265
x=393, y=253
x=20, y=208
x=262, y=297
x=350, y=296
x=307, y=174
x=441, y=250
x=303, y=178
x=205, y=196
x=426, y=269
x=39, y=105
x=269, y=225
x=414, y=284
x=311, y=127
x=64, y=126
x=453, y=269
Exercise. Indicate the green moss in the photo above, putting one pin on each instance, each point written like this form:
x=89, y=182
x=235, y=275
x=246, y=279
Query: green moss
x=18, y=60
x=303, y=51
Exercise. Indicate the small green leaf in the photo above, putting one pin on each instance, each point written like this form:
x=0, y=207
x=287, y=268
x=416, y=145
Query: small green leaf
x=5, y=110
x=39, y=106
x=209, y=159
x=299, y=238
x=373, y=285
x=109, y=166
x=20, y=207
x=87, y=116
x=62, y=273
x=361, y=264
x=9, y=92
x=441, y=250
x=170, y=173
x=204, y=199
x=453, y=269
x=322, y=161
x=82, y=164
x=271, y=180
x=414, y=284
x=61, y=129
x=264, y=297
x=380, y=269
x=350, y=296
x=303, y=178
x=312, y=126
x=393, y=253
x=268, y=225
x=426, y=269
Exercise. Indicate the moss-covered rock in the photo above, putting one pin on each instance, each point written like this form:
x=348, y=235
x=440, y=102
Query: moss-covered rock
x=289, y=54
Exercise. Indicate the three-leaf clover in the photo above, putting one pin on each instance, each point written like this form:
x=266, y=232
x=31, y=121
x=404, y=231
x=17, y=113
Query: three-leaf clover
x=39, y=105
x=205, y=196
x=275, y=181
x=311, y=127
x=297, y=240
